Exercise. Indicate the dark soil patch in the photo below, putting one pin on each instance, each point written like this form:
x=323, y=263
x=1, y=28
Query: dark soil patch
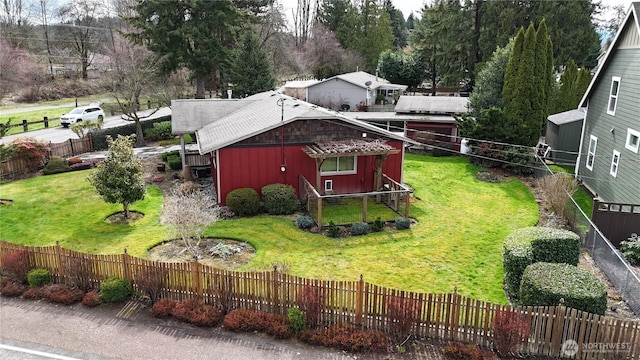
x=219, y=253
x=118, y=218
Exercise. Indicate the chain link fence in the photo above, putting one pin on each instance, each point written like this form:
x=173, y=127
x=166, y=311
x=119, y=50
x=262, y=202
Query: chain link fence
x=623, y=277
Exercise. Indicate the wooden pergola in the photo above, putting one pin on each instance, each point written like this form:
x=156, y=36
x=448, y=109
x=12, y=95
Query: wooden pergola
x=351, y=147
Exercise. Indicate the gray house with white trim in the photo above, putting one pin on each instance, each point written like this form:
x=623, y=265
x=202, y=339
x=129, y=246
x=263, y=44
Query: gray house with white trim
x=608, y=163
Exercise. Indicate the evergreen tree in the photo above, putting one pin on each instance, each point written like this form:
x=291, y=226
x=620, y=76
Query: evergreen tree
x=511, y=71
x=582, y=83
x=400, y=68
x=251, y=72
x=397, y=24
x=566, y=95
x=542, y=73
x=330, y=12
x=489, y=81
x=118, y=179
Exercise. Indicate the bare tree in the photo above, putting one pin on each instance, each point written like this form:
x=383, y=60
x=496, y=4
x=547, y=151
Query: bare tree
x=303, y=18
x=188, y=215
x=45, y=11
x=79, y=25
x=17, y=69
x=325, y=57
x=133, y=74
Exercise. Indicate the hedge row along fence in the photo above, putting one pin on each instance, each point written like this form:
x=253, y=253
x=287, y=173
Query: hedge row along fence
x=440, y=317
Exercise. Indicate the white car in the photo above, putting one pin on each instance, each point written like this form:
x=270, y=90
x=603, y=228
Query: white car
x=92, y=112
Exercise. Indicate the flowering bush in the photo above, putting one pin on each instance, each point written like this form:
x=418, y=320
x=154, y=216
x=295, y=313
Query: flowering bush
x=33, y=151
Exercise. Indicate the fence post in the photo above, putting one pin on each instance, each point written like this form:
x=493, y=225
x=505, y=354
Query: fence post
x=46, y=122
x=125, y=266
x=364, y=208
x=60, y=264
x=319, y=213
x=73, y=152
x=274, y=300
x=25, y=125
x=196, y=274
x=148, y=104
x=359, y=300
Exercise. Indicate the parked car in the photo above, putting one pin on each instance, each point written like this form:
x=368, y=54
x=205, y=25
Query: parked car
x=92, y=112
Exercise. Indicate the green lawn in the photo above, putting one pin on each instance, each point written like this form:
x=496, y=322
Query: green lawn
x=457, y=242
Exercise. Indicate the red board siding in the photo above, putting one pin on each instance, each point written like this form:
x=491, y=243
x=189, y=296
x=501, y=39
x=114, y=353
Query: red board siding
x=255, y=167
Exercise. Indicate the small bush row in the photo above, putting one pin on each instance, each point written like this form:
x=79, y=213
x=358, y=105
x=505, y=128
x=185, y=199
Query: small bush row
x=460, y=351
x=193, y=311
x=358, y=228
x=346, y=337
x=243, y=320
x=159, y=131
x=530, y=245
x=58, y=165
x=279, y=199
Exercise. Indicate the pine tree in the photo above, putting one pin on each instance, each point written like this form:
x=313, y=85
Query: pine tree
x=511, y=72
x=567, y=93
x=251, y=72
x=582, y=83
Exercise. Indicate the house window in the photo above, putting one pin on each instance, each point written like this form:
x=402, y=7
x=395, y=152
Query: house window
x=615, y=163
x=613, y=95
x=591, y=155
x=339, y=166
x=633, y=140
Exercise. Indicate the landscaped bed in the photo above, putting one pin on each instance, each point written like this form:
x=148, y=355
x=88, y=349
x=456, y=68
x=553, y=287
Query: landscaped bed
x=457, y=241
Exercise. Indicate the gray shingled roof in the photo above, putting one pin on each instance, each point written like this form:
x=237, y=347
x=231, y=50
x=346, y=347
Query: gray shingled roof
x=187, y=116
x=262, y=113
x=566, y=117
x=391, y=116
x=432, y=105
x=359, y=78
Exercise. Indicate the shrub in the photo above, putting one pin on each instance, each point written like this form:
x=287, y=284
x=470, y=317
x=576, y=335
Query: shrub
x=175, y=163
x=280, y=199
x=558, y=188
x=630, y=249
x=79, y=271
x=244, y=201
x=115, y=290
x=159, y=131
x=461, y=351
x=243, y=320
x=33, y=293
x=544, y=284
x=85, y=165
x=305, y=222
x=150, y=282
x=165, y=155
x=510, y=328
x=38, y=277
x=33, y=152
x=16, y=264
x=196, y=312
x=56, y=165
x=297, y=320
x=377, y=225
x=62, y=294
x=359, y=228
x=311, y=302
x=99, y=136
x=403, y=223
x=12, y=289
x=403, y=313
x=74, y=160
x=333, y=230
x=163, y=308
x=526, y=246
x=278, y=326
x=91, y=299
x=347, y=337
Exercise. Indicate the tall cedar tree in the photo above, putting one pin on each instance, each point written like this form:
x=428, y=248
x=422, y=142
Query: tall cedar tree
x=489, y=81
x=564, y=101
x=187, y=33
x=330, y=13
x=118, y=178
x=251, y=72
x=400, y=68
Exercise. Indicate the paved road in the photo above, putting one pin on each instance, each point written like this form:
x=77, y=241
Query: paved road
x=59, y=134
x=108, y=332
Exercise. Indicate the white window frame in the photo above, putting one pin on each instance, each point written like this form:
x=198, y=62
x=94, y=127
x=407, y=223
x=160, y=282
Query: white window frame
x=631, y=134
x=342, y=172
x=591, y=156
x=615, y=163
x=613, y=98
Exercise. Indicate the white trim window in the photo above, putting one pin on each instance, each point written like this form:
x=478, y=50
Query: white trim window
x=633, y=140
x=615, y=163
x=613, y=95
x=591, y=155
x=328, y=185
x=344, y=165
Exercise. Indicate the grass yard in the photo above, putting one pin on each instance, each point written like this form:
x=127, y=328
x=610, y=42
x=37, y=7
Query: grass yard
x=31, y=116
x=457, y=242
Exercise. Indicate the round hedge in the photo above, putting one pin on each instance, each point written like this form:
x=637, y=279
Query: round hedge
x=544, y=284
x=38, y=277
x=244, y=201
x=526, y=246
x=115, y=290
x=280, y=199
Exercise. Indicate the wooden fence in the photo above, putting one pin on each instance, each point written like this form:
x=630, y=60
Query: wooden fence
x=556, y=331
x=16, y=166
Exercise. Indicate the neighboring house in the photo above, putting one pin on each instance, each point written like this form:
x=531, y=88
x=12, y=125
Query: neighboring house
x=298, y=88
x=345, y=92
x=438, y=121
x=609, y=159
x=273, y=138
x=562, y=136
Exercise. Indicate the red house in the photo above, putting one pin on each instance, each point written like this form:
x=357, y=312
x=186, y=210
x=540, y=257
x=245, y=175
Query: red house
x=273, y=138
